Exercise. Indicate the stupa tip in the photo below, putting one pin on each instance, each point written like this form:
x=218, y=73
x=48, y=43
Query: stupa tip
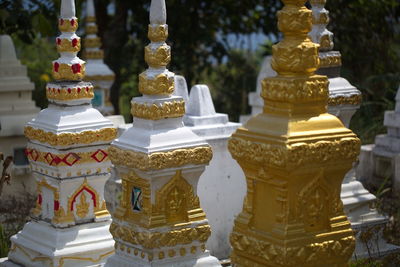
x=67, y=8
x=158, y=12
x=90, y=8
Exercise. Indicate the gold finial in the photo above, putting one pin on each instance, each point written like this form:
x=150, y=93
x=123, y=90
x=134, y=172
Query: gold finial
x=157, y=80
x=295, y=59
x=296, y=53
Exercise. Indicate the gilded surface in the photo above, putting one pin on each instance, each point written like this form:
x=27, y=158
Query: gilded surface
x=66, y=139
x=90, y=19
x=158, y=33
x=330, y=60
x=91, y=29
x=97, y=54
x=157, y=239
x=66, y=72
x=92, y=42
x=162, y=84
x=160, y=160
x=294, y=157
x=354, y=99
x=74, y=93
x=68, y=25
x=172, y=109
x=176, y=201
x=158, y=57
x=270, y=254
x=66, y=45
x=294, y=89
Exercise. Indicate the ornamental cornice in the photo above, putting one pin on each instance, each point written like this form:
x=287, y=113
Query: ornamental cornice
x=173, y=109
x=66, y=139
x=296, y=154
x=354, y=99
x=70, y=93
x=160, y=160
x=150, y=240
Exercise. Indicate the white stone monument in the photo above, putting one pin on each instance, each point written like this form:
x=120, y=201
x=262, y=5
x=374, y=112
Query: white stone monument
x=16, y=109
x=221, y=187
x=158, y=220
x=380, y=162
x=68, y=152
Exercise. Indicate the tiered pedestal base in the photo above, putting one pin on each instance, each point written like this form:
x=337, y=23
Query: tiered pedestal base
x=202, y=260
x=367, y=223
x=41, y=245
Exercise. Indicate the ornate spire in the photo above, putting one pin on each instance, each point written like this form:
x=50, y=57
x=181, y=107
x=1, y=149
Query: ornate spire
x=92, y=41
x=157, y=80
x=69, y=67
x=294, y=156
x=159, y=162
x=320, y=35
x=319, y=32
x=68, y=153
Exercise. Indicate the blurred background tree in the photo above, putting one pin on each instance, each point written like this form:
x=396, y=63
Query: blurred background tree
x=220, y=43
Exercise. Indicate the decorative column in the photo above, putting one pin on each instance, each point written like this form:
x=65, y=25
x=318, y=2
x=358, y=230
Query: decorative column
x=294, y=156
x=159, y=221
x=98, y=73
x=68, y=153
x=344, y=100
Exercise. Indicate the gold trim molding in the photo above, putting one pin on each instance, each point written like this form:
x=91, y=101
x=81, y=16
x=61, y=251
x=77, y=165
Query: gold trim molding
x=74, y=93
x=160, y=85
x=293, y=89
x=172, y=109
x=277, y=255
x=354, y=99
x=160, y=160
x=296, y=154
x=68, y=25
x=330, y=60
x=65, y=139
x=150, y=240
x=74, y=72
x=157, y=33
x=67, y=45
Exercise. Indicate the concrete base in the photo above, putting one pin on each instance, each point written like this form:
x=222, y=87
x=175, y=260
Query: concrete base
x=41, y=245
x=203, y=260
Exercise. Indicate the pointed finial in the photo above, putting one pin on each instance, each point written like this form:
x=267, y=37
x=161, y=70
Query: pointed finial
x=320, y=33
x=67, y=8
x=157, y=80
x=200, y=101
x=90, y=8
x=158, y=12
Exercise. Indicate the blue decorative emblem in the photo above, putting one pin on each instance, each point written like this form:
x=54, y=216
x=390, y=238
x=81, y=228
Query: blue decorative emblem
x=97, y=100
x=136, y=199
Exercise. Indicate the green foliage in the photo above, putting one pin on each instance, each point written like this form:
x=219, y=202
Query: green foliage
x=231, y=82
x=38, y=57
x=4, y=243
x=199, y=33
